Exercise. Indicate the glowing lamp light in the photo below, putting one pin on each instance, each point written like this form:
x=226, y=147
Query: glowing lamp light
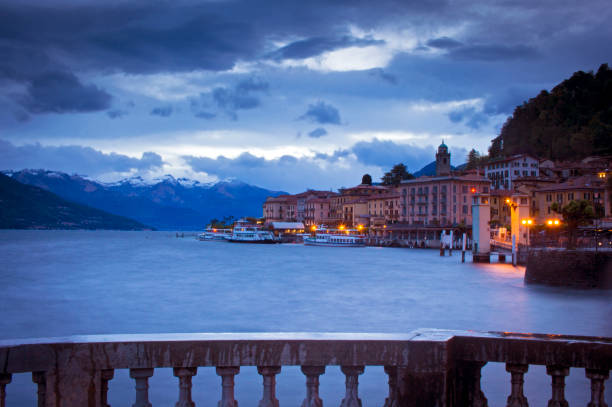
x=507, y=200
x=215, y=230
x=384, y=226
x=360, y=227
x=524, y=222
x=556, y=221
x=341, y=227
x=473, y=190
x=550, y=222
x=529, y=221
x=313, y=227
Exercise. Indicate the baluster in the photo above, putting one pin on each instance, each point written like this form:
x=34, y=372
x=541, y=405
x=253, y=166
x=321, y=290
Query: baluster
x=312, y=385
x=517, y=372
x=558, y=374
x=227, y=383
x=469, y=390
x=352, y=386
x=106, y=375
x=598, y=377
x=5, y=378
x=185, y=375
x=142, y=386
x=40, y=379
x=391, y=401
x=269, y=385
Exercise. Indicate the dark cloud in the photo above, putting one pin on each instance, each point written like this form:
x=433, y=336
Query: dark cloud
x=334, y=157
x=116, y=113
x=205, y=115
x=62, y=92
x=242, y=96
x=321, y=113
x=162, y=111
x=314, y=46
x=73, y=159
x=318, y=132
x=386, y=153
x=494, y=52
x=470, y=117
x=385, y=76
x=444, y=43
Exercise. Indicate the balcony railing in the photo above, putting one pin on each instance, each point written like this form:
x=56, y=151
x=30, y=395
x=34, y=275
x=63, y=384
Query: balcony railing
x=424, y=367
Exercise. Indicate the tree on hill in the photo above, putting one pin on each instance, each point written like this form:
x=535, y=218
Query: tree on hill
x=366, y=179
x=475, y=160
x=572, y=121
x=575, y=214
x=397, y=174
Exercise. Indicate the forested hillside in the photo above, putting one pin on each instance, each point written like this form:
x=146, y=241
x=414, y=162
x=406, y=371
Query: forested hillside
x=572, y=121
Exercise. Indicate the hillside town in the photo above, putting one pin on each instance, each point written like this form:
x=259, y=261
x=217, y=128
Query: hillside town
x=418, y=209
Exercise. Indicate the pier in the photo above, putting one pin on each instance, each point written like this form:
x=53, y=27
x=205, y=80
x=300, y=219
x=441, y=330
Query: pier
x=424, y=367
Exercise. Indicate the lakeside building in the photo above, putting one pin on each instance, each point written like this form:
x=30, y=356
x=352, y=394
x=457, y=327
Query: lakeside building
x=502, y=172
x=587, y=187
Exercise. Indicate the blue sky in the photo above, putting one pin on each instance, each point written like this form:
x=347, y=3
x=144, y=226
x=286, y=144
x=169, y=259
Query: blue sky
x=282, y=94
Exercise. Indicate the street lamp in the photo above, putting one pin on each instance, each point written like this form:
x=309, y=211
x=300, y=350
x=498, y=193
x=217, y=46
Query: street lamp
x=527, y=223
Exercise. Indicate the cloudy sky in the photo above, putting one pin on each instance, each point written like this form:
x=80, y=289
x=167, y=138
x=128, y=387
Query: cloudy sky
x=278, y=93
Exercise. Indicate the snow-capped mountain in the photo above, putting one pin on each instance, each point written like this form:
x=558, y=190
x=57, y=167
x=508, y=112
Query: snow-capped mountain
x=164, y=203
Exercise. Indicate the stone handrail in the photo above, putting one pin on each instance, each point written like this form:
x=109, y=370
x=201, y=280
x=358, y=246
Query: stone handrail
x=425, y=367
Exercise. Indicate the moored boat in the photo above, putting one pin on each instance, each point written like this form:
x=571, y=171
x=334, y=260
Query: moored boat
x=336, y=238
x=247, y=233
x=215, y=234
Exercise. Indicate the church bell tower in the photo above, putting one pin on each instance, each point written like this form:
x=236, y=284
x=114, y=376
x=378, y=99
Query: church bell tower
x=442, y=161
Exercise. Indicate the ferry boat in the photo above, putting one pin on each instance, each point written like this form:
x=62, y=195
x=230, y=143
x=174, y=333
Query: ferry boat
x=336, y=238
x=215, y=234
x=246, y=233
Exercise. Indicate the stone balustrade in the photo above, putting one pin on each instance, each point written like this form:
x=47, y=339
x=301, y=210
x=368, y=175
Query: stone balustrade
x=424, y=367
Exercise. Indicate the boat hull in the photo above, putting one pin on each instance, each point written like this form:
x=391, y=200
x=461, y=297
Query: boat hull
x=263, y=241
x=331, y=244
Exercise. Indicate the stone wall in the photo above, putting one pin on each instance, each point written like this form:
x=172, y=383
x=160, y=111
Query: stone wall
x=570, y=268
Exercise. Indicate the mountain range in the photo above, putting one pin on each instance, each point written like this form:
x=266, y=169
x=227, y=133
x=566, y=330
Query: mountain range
x=168, y=203
x=27, y=207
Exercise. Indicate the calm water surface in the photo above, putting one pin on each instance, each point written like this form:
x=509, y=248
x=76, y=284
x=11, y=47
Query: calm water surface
x=57, y=283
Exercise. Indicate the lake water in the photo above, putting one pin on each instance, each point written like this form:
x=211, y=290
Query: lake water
x=57, y=283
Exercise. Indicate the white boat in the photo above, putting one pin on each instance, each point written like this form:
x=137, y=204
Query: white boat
x=215, y=234
x=336, y=238
x=246, y=233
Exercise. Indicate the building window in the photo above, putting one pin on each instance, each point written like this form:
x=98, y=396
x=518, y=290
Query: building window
x=548, y=197
x=570, y=196
x=465, y=209
x=464, y=189
x=587, y=195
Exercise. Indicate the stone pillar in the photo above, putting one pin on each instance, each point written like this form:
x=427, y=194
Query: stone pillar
x=184, y=375
x=227, y=383
x=5, y=378
x=106, y=376
x=312, y=385
x=391, y=401
x=416, y=388
x=481, y=232
x=467, y=382
x=269, y=385
x=41, y=380
x=74, y=380
x=558, y=374
x=142, y=386
x=517, y=398
x=598, y=377
x=351, y=399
